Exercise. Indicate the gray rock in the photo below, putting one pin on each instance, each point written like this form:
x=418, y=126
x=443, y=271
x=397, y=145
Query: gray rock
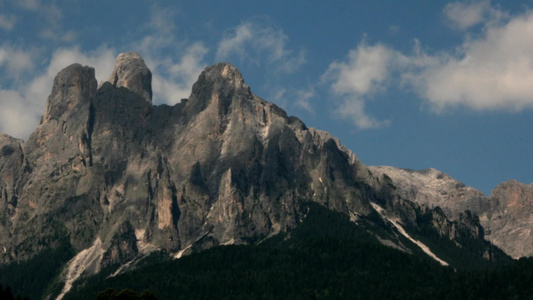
x=72, y=85
x=12, y=167
x=132, y=73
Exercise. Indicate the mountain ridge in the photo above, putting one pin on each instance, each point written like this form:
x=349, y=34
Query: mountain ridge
x=120, y=178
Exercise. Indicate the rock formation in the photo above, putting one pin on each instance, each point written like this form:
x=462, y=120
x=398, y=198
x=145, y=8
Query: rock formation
x=505, y=215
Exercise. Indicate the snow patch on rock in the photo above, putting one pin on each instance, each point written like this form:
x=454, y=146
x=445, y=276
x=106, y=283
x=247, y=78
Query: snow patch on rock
x=402, y=231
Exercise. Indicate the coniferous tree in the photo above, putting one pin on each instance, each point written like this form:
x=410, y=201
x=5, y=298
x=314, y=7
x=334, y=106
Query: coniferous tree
x=7, y=294
x=106, y=295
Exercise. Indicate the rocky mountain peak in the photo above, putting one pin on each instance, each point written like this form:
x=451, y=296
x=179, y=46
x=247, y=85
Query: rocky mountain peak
x=72, y=85
x=227, y=72
x=132, y=73
x=219, y=84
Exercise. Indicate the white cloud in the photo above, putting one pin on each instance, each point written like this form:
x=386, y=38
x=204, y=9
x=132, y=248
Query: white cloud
x=353, y=82
x=494, y=71
x=7, y=22
x=364, y=72
x=260, y=45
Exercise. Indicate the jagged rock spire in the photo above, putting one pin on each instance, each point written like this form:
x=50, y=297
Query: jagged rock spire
x=72, y=85
x=132, y=73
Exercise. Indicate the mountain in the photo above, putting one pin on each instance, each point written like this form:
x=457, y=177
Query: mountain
x=505, y=215
x=107, y=179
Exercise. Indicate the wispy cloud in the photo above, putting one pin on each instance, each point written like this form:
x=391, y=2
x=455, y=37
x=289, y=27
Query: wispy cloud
x=292, y=97
x=353, y=109
x=162, y=20
x=29, y=4
x=51, y=16
x=7, y=22
x=173, y=80
x=357, y=79
x=463, y=15
x=16, y=61
x=262, y=45
x=49, y=11
x=50, y=34
x=304, y=99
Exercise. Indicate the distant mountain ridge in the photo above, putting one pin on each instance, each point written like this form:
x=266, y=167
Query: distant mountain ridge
x=119, y=178
x=505, y=215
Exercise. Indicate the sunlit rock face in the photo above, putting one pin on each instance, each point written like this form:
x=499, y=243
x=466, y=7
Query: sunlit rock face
x=132, y=73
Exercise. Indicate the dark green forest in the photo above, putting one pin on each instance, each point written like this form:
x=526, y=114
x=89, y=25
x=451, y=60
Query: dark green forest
x=326, y=257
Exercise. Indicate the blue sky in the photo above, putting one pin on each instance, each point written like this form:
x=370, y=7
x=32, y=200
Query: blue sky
x=412, y=84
